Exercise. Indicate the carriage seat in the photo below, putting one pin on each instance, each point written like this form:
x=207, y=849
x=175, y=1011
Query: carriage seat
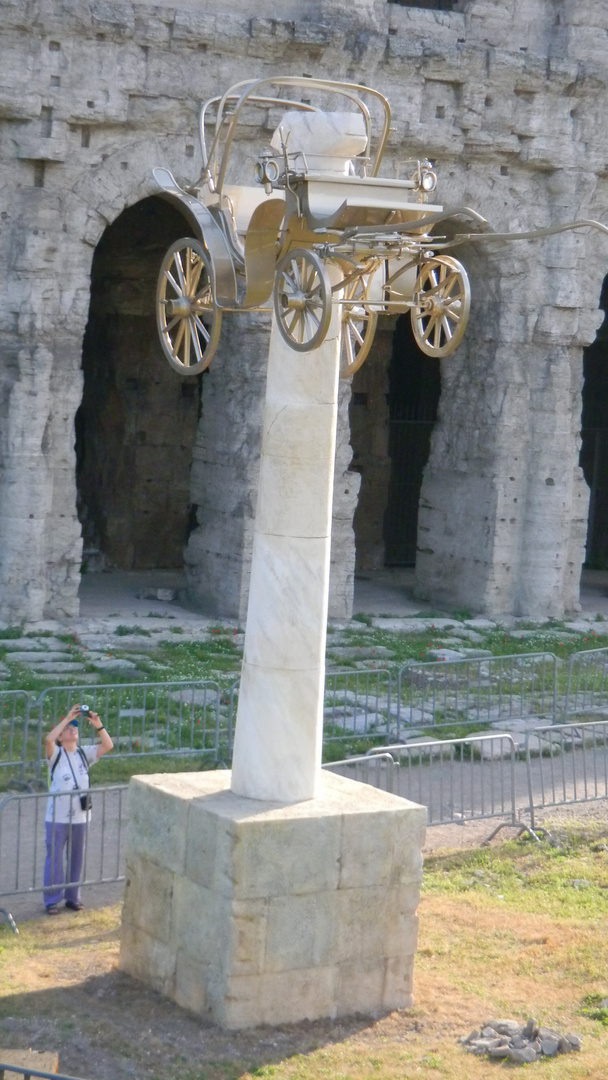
x=328, y=140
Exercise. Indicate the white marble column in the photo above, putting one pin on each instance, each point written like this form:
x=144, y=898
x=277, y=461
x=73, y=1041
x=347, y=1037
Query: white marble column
x=277, y=746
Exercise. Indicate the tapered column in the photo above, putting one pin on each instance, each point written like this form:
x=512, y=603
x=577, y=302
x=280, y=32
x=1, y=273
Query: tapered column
x=277, y=746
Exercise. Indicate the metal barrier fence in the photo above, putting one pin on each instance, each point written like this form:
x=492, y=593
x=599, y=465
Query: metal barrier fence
x=228, y=706
x=480, y=690
x=587, y=689
x=14, y=716
x=566, y=763
x=357, y=708
x=463, y=779
x=357, y=705
x=22, y=839
x=378, y=771
x=142, y=718
x=361, y=708
x=458, y=780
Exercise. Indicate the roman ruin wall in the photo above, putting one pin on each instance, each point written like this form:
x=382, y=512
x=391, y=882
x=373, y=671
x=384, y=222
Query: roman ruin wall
x=505, y=98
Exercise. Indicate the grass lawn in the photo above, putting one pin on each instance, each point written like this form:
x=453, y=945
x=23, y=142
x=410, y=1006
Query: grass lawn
x=512, y=930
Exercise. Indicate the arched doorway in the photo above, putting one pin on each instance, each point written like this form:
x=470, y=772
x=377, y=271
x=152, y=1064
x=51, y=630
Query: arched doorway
x=136, y=425
x=594, y=438
x=393, y=408
x=413, y=398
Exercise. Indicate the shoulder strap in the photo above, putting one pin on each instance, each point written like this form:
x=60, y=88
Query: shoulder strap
x=55, y=764
x=84, y=757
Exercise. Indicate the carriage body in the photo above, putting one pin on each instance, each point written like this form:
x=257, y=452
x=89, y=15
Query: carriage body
x=318, y=227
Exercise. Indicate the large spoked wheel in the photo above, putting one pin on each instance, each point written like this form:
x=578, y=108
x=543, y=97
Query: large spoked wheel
x=187, y=318
x=302, y=299
x=358, y=326
x=443, y=299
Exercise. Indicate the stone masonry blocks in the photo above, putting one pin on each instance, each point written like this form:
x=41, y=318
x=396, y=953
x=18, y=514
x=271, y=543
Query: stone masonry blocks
x=254, y=912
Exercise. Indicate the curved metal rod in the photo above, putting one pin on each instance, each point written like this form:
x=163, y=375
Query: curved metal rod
x=209, y=171
x=352, y=91
x=536, y=234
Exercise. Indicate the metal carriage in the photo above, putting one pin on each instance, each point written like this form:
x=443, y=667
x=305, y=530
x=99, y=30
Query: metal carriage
x=317, y=226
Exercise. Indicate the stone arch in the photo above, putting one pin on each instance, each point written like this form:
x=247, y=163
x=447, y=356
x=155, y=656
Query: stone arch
x=390, y=445
x=136, y=424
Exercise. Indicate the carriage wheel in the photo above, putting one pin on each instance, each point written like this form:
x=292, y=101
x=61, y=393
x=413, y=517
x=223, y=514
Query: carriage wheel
x=302, y=299
x=186, y=315
x=443, y=298
x=358, y=327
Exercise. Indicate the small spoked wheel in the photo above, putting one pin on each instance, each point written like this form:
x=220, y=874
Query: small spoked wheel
x=302, y=299
x=358, y=326
x=187, y=318
x=443, y=299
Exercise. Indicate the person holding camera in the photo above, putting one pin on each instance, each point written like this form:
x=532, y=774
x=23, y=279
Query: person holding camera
x=68, y=810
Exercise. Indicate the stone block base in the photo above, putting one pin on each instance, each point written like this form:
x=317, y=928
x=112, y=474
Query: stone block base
x=253, y=912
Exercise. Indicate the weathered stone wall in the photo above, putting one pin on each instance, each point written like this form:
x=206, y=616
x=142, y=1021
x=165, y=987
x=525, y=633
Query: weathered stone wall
x=505, y=97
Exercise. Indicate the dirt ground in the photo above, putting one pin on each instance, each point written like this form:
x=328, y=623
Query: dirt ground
x=61, y=990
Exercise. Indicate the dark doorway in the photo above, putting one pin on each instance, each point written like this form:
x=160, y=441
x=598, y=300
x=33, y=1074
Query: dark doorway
x=414, y=390
x=594, y=436
x=135, y=428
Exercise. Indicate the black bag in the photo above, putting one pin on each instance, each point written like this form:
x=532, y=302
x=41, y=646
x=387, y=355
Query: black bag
x=86, y=801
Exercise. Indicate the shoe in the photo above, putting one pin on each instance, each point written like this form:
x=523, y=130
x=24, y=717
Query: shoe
x=74, y=905
x=52, y=909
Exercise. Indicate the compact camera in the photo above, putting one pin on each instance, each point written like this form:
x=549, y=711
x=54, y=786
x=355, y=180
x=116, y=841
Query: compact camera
x=85, y=710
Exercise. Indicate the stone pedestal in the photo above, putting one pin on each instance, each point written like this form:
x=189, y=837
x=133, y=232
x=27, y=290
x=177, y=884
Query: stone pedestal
x=252, y=912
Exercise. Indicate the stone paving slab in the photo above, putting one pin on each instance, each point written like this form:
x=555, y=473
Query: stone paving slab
x=113, y=663
x=466, y=634
x=360, y=652
x=60, y=668
x=26, y=644
x=102, y=657
x=446, y=654
x=35, y=658
x=75, y=678
x=401, y=626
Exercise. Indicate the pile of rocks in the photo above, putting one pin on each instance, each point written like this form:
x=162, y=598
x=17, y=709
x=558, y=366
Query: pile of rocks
x=519, y=1043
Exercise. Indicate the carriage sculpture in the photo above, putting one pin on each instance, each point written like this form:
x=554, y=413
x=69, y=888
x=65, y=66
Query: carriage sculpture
x=318, y=227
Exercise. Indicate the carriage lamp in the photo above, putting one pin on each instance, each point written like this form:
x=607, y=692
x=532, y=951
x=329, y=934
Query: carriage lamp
x=266, y=171
x=424, y=178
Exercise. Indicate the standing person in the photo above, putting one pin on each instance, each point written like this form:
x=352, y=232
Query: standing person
x=67, y=812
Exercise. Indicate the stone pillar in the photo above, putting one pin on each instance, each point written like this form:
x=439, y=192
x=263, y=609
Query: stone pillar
x=277, y=746
x=225, y=471
x=346, y=492
x=370, y=433
x=40, y=545
x=225, y=468
x=503, y=504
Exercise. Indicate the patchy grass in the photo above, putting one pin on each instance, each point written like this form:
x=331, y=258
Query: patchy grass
x=566, y=877
x=215, y=656
x=502, y=932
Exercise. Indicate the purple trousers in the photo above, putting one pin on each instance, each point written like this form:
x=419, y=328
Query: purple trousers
x=64, y=860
